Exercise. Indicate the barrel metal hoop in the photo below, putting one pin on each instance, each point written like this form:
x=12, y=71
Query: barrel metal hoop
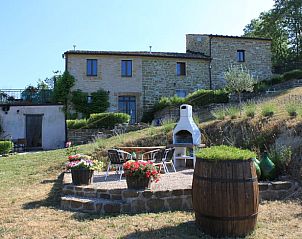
x=235, y=180
x=238, y=218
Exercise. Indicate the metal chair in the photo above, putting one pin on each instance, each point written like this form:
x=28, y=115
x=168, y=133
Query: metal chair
x=155, y=156
x=117, y=158
x=168, y=159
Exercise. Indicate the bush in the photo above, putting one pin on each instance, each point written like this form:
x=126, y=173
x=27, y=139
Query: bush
x=250, y=109
x=277, y=80
x=6, y=146
x=281, y=158
x=76, y=124
x=292, y=109
x=232, y=111
x=107, y=120
x=294, y=74
x=224, y=152
x=268, y=109
x=219, y=113
x=205, y=97
x=99, y=102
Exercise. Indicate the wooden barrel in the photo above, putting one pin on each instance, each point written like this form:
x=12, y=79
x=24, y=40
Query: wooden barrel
x=225, y=197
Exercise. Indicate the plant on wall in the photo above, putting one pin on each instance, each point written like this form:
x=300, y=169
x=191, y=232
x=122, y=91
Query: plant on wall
x=62, y=89
x=97, y=102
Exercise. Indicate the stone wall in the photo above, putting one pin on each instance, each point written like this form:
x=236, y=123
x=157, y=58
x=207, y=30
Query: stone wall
x=106, y=201
x=84, y=136
x=223, y=52
x=160, y=79
x=108, y=77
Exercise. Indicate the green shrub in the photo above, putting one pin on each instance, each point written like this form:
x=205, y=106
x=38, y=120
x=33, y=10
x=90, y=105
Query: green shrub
x=294, y=74
x=262, y=86
x=205, y=97
x=76, y=124
x=224, y=152
x=281, y=158
x=292, y=108
x=268, y=109
x=250, y=109
x=232, y=111
x=99, y=102
x=219, y=114
x=6, y=146
x=107, y=120
x=277, y=79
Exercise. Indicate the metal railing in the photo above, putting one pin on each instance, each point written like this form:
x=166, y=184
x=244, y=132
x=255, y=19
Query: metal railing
x=21, y=96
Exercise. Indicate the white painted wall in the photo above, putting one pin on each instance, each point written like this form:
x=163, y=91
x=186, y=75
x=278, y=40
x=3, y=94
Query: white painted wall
x=53, y=123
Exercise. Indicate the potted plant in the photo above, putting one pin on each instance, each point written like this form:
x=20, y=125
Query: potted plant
x=139, y=174
x=82, y=168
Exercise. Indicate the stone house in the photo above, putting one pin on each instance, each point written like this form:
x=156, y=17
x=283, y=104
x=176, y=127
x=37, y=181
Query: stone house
x=136, y=80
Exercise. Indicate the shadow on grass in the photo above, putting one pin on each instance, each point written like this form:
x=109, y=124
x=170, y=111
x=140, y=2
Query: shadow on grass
x=183, y=230
x=53, y=197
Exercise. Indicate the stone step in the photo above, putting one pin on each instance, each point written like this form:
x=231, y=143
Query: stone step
x=94, y=205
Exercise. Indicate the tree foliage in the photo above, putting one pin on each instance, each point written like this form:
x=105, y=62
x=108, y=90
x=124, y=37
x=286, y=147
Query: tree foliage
x=238, y=80
x=99, y=102
x=62, y=89
x=283, y=24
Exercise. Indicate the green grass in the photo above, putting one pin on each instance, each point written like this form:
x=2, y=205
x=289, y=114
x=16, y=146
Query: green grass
x=29, y=205
x=268, y=109
x=250, y=109
x=223, y=152
x=219, y=113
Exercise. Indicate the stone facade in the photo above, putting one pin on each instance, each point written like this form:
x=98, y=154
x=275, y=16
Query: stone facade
x=154, y=74
x=160, y=78
x=223, y=53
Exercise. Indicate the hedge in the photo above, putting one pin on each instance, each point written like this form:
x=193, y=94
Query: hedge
x=294, y=74
x=76, y=124
x=6, y=146
x=107, y=120
x=100, y=120
x=196, y=99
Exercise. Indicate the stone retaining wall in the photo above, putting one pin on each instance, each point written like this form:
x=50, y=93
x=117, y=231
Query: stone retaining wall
x=124, y=200
x=106, y=201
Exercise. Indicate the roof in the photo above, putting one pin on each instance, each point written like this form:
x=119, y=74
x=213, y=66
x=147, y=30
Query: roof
x=236, y=37
x=189, y=55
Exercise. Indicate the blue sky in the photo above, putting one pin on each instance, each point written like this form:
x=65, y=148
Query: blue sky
x=35, y=33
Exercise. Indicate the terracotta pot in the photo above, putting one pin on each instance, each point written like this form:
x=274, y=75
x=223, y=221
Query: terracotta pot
x=81, y=176
x=137, y=183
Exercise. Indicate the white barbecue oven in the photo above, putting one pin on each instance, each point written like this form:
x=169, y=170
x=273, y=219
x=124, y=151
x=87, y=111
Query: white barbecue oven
x=186, y=137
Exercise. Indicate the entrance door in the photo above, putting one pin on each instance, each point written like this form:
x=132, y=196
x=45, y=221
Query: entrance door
x=127, y=104
x=34, y=131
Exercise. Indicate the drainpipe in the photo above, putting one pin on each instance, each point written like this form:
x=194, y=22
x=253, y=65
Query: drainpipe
x=210, y=63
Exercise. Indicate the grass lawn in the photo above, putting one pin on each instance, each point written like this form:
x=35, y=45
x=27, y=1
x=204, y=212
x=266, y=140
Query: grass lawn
x=29, y=205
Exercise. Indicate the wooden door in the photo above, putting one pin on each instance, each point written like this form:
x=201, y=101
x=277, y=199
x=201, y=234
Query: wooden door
x=34, y=131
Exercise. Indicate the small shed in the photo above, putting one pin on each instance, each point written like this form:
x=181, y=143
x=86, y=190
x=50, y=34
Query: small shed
x=40, y=127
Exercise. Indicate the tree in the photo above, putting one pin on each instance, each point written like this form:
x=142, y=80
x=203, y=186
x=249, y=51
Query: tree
x=283, y=24
x=238, y=80
x=269, y=25
x=62, y=89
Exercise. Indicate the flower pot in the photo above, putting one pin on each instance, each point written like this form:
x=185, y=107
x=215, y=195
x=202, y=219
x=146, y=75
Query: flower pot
x=81, y=176
x=134, y=182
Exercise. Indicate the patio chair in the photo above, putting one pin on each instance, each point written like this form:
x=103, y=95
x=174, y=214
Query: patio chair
x=168, y=159
x=155, y=156
x=117, y=158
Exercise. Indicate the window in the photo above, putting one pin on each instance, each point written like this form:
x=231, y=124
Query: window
x=240, y=55
x=89, y=99
x=181, y=93
x=181, y=68
x=92, y=67
x=126, y=68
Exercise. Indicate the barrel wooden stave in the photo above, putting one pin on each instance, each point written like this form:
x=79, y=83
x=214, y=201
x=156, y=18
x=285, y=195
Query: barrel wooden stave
x=226, y=207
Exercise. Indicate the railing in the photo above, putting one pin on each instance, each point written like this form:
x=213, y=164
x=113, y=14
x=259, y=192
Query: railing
x=21, y=96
